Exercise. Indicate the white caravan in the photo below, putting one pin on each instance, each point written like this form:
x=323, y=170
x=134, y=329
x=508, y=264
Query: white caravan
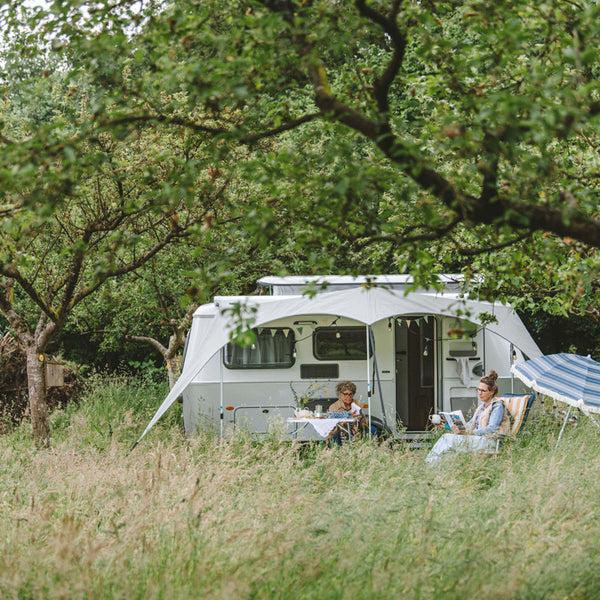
x=410, y=353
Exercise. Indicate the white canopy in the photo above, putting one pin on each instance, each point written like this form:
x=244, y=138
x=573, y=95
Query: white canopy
x=363, y=304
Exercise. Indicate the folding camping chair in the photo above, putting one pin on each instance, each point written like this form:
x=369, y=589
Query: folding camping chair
x=518, y=407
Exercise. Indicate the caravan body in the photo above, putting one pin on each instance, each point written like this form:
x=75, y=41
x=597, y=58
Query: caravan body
x=409, y=354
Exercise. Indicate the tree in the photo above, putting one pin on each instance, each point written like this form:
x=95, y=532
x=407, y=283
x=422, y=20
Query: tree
x=119, y=212
x=462, y=131
x=480, y=119
x=489, y=116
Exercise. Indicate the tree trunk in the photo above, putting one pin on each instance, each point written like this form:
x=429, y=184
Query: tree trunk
x=173, y=365
x=34, y=344
x=37, y=397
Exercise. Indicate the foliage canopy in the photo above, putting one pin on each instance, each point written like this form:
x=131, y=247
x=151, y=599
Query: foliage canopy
x=447, y=127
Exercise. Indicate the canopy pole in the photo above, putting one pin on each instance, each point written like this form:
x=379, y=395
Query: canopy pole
x=376, y=376
x=564, y=424
x=368, y=330
x=512, y=362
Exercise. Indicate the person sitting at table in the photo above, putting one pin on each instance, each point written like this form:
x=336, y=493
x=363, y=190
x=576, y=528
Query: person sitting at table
x=345, y=391
x=490, y=418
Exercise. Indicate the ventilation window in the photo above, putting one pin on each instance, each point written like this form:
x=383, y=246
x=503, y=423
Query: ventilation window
x=320, y=371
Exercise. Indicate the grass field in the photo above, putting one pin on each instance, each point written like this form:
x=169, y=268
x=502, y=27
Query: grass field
x=247, y=519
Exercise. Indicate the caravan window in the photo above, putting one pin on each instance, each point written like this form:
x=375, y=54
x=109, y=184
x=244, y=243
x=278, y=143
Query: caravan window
x=273, y=349
x=340, y=343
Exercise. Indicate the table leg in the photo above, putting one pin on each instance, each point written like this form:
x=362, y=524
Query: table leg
x=346, y=428
x=294, y=434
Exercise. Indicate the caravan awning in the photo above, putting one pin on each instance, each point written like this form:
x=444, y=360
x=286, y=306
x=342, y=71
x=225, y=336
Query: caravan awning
x=366, y=305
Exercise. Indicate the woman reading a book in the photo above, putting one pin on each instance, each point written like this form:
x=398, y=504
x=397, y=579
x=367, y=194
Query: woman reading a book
x=490, y=418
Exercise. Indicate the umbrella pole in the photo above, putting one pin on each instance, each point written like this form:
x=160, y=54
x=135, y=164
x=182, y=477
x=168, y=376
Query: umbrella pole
x=564, y=424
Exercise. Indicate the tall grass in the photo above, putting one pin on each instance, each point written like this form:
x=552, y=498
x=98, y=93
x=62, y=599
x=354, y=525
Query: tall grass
x=202, y=518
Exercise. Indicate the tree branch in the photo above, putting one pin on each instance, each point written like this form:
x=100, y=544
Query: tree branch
x=163, y=119
x=389, y=25
x=143, y=339
x=14, y=274
x=293, y=124
x=493, y=248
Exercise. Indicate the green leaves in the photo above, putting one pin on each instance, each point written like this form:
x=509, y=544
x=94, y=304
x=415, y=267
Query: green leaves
x=322, y=136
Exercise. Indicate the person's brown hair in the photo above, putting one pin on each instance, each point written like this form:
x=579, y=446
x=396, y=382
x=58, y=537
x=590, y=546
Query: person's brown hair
x=491, y=380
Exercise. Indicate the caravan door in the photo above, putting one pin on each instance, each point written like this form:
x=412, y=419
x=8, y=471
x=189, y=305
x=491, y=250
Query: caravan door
x=415, y=371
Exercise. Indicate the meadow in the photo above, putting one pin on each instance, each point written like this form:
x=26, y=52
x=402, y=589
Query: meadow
x=248, y=518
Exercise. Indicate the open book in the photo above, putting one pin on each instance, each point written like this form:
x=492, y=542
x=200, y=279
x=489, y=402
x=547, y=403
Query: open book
x=454, y=418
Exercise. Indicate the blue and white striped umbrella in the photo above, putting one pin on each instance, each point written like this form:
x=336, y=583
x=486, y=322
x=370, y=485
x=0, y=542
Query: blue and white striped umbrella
x=568, y=378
